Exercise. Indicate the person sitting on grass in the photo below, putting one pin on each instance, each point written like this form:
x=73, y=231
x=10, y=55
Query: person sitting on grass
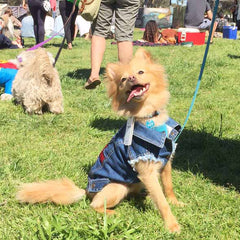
x=152, y=33
x=221, y=22
x=6, y=42
x=199, y=15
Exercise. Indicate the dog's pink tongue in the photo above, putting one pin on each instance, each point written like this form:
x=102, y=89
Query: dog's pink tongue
x=133, y=93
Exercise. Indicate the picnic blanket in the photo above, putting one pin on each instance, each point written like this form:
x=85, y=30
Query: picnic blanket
x=147, y=44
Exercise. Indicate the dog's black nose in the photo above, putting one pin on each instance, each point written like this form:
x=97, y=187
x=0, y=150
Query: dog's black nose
x=132, y=79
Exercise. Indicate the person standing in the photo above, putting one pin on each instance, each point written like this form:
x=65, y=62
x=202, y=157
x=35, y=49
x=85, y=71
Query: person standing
x=39, y=15
x=234, y=11
x=238, y=16
x=66, y=7
x=126, y=12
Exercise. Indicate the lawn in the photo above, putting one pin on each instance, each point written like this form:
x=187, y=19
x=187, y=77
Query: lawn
x=206, y=169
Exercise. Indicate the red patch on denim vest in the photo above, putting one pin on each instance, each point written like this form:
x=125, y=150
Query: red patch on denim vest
x=101, y=155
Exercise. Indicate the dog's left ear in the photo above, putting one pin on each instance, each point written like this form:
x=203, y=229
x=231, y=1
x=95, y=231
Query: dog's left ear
x=111, y=71
x=111, y=78
x=145, y=55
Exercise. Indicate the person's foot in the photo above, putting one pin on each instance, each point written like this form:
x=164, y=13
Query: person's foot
x=92, y=83
x=70, y=46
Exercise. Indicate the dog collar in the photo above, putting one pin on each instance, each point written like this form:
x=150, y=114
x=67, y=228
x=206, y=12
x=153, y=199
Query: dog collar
x=150, y=123
x=154, y=114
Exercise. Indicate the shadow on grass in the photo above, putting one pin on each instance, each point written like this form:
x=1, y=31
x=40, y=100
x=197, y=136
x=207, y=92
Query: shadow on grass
x=106, y=124
x=233, y=56
x=217, y=159
x=199, y=152
x=82, y=73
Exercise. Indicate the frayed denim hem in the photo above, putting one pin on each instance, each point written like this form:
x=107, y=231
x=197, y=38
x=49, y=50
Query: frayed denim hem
x=146, y=158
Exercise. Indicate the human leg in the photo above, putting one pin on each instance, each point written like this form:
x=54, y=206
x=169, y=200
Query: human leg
x=73, y=20
x=97, y=51
x=41, y=29
x=33, y=12
x=125, y=18
x=65, y=10
x=39, y=16
x=206, y=24
x=100, y=29
x=125, y=51
x=213, y=31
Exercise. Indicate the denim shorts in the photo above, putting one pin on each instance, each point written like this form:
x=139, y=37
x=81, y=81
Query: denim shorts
x=126, y=12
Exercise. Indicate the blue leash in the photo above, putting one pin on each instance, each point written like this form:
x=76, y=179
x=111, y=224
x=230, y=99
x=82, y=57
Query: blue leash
x=201, y=71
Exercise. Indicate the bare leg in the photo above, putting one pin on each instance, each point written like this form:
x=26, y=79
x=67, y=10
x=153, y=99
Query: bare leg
x=213, y=31
x=97, y=51
x=166, y=177
x=148, y=174
x=112, y=194
x=125, y=51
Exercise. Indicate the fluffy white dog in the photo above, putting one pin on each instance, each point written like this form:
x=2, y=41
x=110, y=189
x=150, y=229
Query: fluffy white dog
x=37, y=85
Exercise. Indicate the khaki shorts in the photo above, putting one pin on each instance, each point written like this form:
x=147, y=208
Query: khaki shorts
x=126, y=12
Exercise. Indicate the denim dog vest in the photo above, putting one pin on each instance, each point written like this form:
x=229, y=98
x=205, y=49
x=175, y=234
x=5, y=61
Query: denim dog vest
x=116, y=161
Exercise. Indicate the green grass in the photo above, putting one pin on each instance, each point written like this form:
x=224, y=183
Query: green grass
x=206, y=171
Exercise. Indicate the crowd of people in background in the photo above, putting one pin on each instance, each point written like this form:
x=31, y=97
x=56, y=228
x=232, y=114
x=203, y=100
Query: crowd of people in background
x=11, y=26
x=123, y=13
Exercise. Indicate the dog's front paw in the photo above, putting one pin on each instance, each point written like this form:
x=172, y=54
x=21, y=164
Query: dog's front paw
x=108, y=211
x=175, y=202
x=173, y=227
x=6, y=97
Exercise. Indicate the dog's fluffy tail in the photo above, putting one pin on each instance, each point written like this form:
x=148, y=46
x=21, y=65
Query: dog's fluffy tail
x=61, y=191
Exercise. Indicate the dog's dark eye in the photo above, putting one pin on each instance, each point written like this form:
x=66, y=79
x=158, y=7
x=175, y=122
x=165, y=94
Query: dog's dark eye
x=141, y=72
x=123, y=79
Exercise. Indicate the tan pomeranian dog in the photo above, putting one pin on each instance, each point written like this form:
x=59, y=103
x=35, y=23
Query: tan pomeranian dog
x=136, y=156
